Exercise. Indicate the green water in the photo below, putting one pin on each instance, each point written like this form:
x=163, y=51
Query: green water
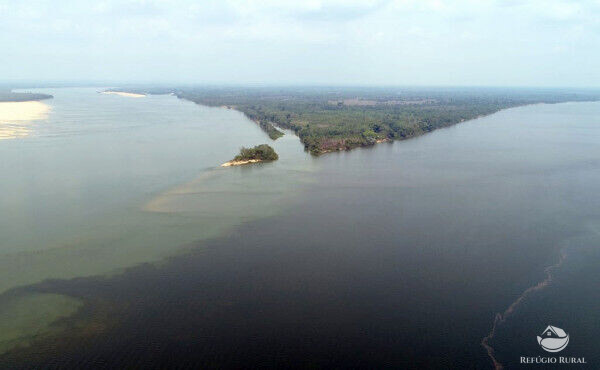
x=107, y=182
x=29, y=317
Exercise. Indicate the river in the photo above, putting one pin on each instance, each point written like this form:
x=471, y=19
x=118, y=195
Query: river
x=398, y=255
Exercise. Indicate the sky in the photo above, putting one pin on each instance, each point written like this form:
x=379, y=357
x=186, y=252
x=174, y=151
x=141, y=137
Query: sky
x=545, y=43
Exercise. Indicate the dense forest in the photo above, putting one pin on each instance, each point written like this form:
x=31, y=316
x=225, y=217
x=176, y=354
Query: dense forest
x=261, y=152
x=329, y=119
x=9, y=96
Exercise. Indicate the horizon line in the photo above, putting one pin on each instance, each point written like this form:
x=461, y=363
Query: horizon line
x=22, y=84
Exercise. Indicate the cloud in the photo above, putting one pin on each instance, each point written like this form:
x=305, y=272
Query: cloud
x=328, y=41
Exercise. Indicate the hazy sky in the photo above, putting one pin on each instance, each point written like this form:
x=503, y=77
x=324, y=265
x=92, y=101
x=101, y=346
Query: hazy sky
x=400, y=42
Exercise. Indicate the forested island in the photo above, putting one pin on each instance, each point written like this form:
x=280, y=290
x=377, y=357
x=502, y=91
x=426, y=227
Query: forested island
x=329, y=119
x=9, y=96
x=259, y=153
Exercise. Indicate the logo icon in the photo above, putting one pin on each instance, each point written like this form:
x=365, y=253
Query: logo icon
x=553, y=339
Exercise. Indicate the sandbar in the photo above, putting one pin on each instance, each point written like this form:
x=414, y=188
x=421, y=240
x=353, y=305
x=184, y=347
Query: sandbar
x=121, y=93
x=239, y=163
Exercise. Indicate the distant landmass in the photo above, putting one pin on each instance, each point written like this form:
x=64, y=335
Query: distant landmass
x=9, y=96
x=332, y=119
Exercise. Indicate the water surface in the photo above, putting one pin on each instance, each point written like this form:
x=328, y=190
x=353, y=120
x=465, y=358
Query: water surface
x=399, y=255
x=105, y=182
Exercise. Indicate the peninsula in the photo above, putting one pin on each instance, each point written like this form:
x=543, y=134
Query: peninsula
x=328, y=119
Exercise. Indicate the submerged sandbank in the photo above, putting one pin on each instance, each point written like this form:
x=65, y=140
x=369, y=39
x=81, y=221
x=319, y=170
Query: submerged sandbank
x=15, y=117
x=27, y=317
x=126, y=94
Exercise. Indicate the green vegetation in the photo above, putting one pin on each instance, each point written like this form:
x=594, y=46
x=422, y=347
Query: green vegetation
x=329, y=119
x=268, y=127
x=9, y=96
x=261, y=152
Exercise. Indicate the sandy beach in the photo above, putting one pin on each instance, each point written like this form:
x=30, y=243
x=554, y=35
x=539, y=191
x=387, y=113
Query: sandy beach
x=15, y=117
x=126, y=94
x=239, y=163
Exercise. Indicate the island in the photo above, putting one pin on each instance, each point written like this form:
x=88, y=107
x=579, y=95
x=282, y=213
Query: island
x=259, y=153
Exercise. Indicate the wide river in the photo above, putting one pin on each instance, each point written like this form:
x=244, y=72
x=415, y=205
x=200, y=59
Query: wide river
x=124, y=244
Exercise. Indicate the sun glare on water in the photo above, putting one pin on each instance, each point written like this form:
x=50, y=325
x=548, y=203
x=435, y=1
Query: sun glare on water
x=16, y=118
